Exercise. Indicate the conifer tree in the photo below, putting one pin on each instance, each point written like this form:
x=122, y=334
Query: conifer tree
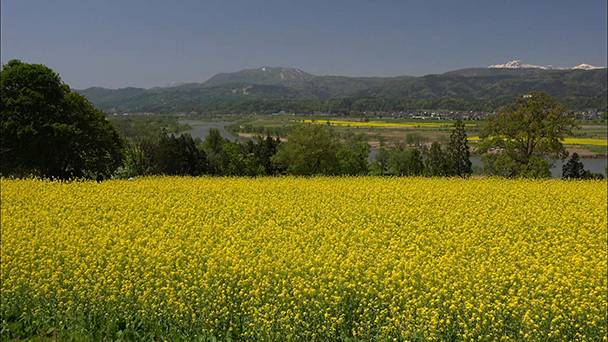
x=458, y=151
x=573, y=168
x=436, y=162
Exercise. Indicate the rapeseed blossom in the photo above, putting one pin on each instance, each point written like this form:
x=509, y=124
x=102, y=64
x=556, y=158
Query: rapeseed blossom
x=305, y=259
x=570, y=141
x=348, y=123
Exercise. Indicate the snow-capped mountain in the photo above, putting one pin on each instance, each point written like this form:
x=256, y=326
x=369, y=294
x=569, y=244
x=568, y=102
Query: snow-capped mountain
x=586, y=67
x=515, y=64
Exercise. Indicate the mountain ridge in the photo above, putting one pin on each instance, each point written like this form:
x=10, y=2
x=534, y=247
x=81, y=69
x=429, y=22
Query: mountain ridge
x=517, y=64
x=260, y=86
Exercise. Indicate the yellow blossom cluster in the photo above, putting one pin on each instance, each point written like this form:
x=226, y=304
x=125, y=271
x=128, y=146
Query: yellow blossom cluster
x=570, y=141
x=307, y=259
x=348, y=123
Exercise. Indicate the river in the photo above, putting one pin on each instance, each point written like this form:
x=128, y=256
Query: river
x=200, y=129
x=595, y=165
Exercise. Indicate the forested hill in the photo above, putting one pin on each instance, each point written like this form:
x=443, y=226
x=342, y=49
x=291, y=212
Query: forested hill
x=269, y=89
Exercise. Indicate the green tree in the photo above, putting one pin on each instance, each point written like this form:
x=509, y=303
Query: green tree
x=436, y=163
x=410, y=139
x=381, y=159
x=264, y=149
x=233, y=162
x=535, y=125
x=137, y=158
x=214, y=141
x=573, y=168
x=309, y=150
x=500, y=164
x=406, y=162
x=593, y=175
x=49, y=131
x=213, y=147
x=178, y=156
x=353, y=155
x=458, y=151
x=415, y=139
x=379, y=165
x=537, y=167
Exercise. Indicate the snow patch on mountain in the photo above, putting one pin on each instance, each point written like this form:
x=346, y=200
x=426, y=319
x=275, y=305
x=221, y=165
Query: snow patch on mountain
x=516, y=64
x=175, y=84
x=584, y=66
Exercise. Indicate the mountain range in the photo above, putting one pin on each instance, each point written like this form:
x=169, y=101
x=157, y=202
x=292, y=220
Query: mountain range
x=252, y=90
x=515, y=64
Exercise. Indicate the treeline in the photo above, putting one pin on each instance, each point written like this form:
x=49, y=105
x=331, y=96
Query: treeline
x=185, y=156
x=343, y=106
x=318, y=150
x=308, y=150
x=136, y=126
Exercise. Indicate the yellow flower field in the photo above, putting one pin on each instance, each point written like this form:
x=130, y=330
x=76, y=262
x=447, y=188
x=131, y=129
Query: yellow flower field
x=306, y=259
x=380, y=123
x=571, y=141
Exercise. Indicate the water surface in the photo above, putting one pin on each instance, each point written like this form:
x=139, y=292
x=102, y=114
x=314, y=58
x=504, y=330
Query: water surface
x=200, y=129
x=595, y=165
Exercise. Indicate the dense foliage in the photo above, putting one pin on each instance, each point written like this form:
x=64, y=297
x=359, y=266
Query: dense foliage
x=305, y=259
x=134, y=127
x=308, y=150
x=519, y=138
x=48, y=131
x=574, y=169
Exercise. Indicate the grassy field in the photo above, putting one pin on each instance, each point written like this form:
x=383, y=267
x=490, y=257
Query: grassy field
x=304, y=259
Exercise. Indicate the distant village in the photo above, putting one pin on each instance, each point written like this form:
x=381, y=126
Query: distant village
x=419, y=115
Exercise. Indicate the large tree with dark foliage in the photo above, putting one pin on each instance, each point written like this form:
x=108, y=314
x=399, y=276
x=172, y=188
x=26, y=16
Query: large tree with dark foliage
x=264, y=149
x=178, y=156
x=573, y=168
x=49, y=131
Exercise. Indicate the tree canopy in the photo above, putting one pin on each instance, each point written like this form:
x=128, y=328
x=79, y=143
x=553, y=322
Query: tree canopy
x=49, y=131
x=532, y=127
x=310, y=150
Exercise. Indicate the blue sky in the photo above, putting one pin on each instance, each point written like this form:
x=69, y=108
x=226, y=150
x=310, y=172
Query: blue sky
x=151, y=43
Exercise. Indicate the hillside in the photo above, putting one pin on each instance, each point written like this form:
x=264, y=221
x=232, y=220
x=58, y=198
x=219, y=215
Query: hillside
x=482, y=83
x=263, y=75
x=269, y=89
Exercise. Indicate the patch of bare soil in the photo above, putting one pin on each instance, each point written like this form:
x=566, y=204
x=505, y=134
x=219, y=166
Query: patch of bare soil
x=253, y=135
x=584, y=153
